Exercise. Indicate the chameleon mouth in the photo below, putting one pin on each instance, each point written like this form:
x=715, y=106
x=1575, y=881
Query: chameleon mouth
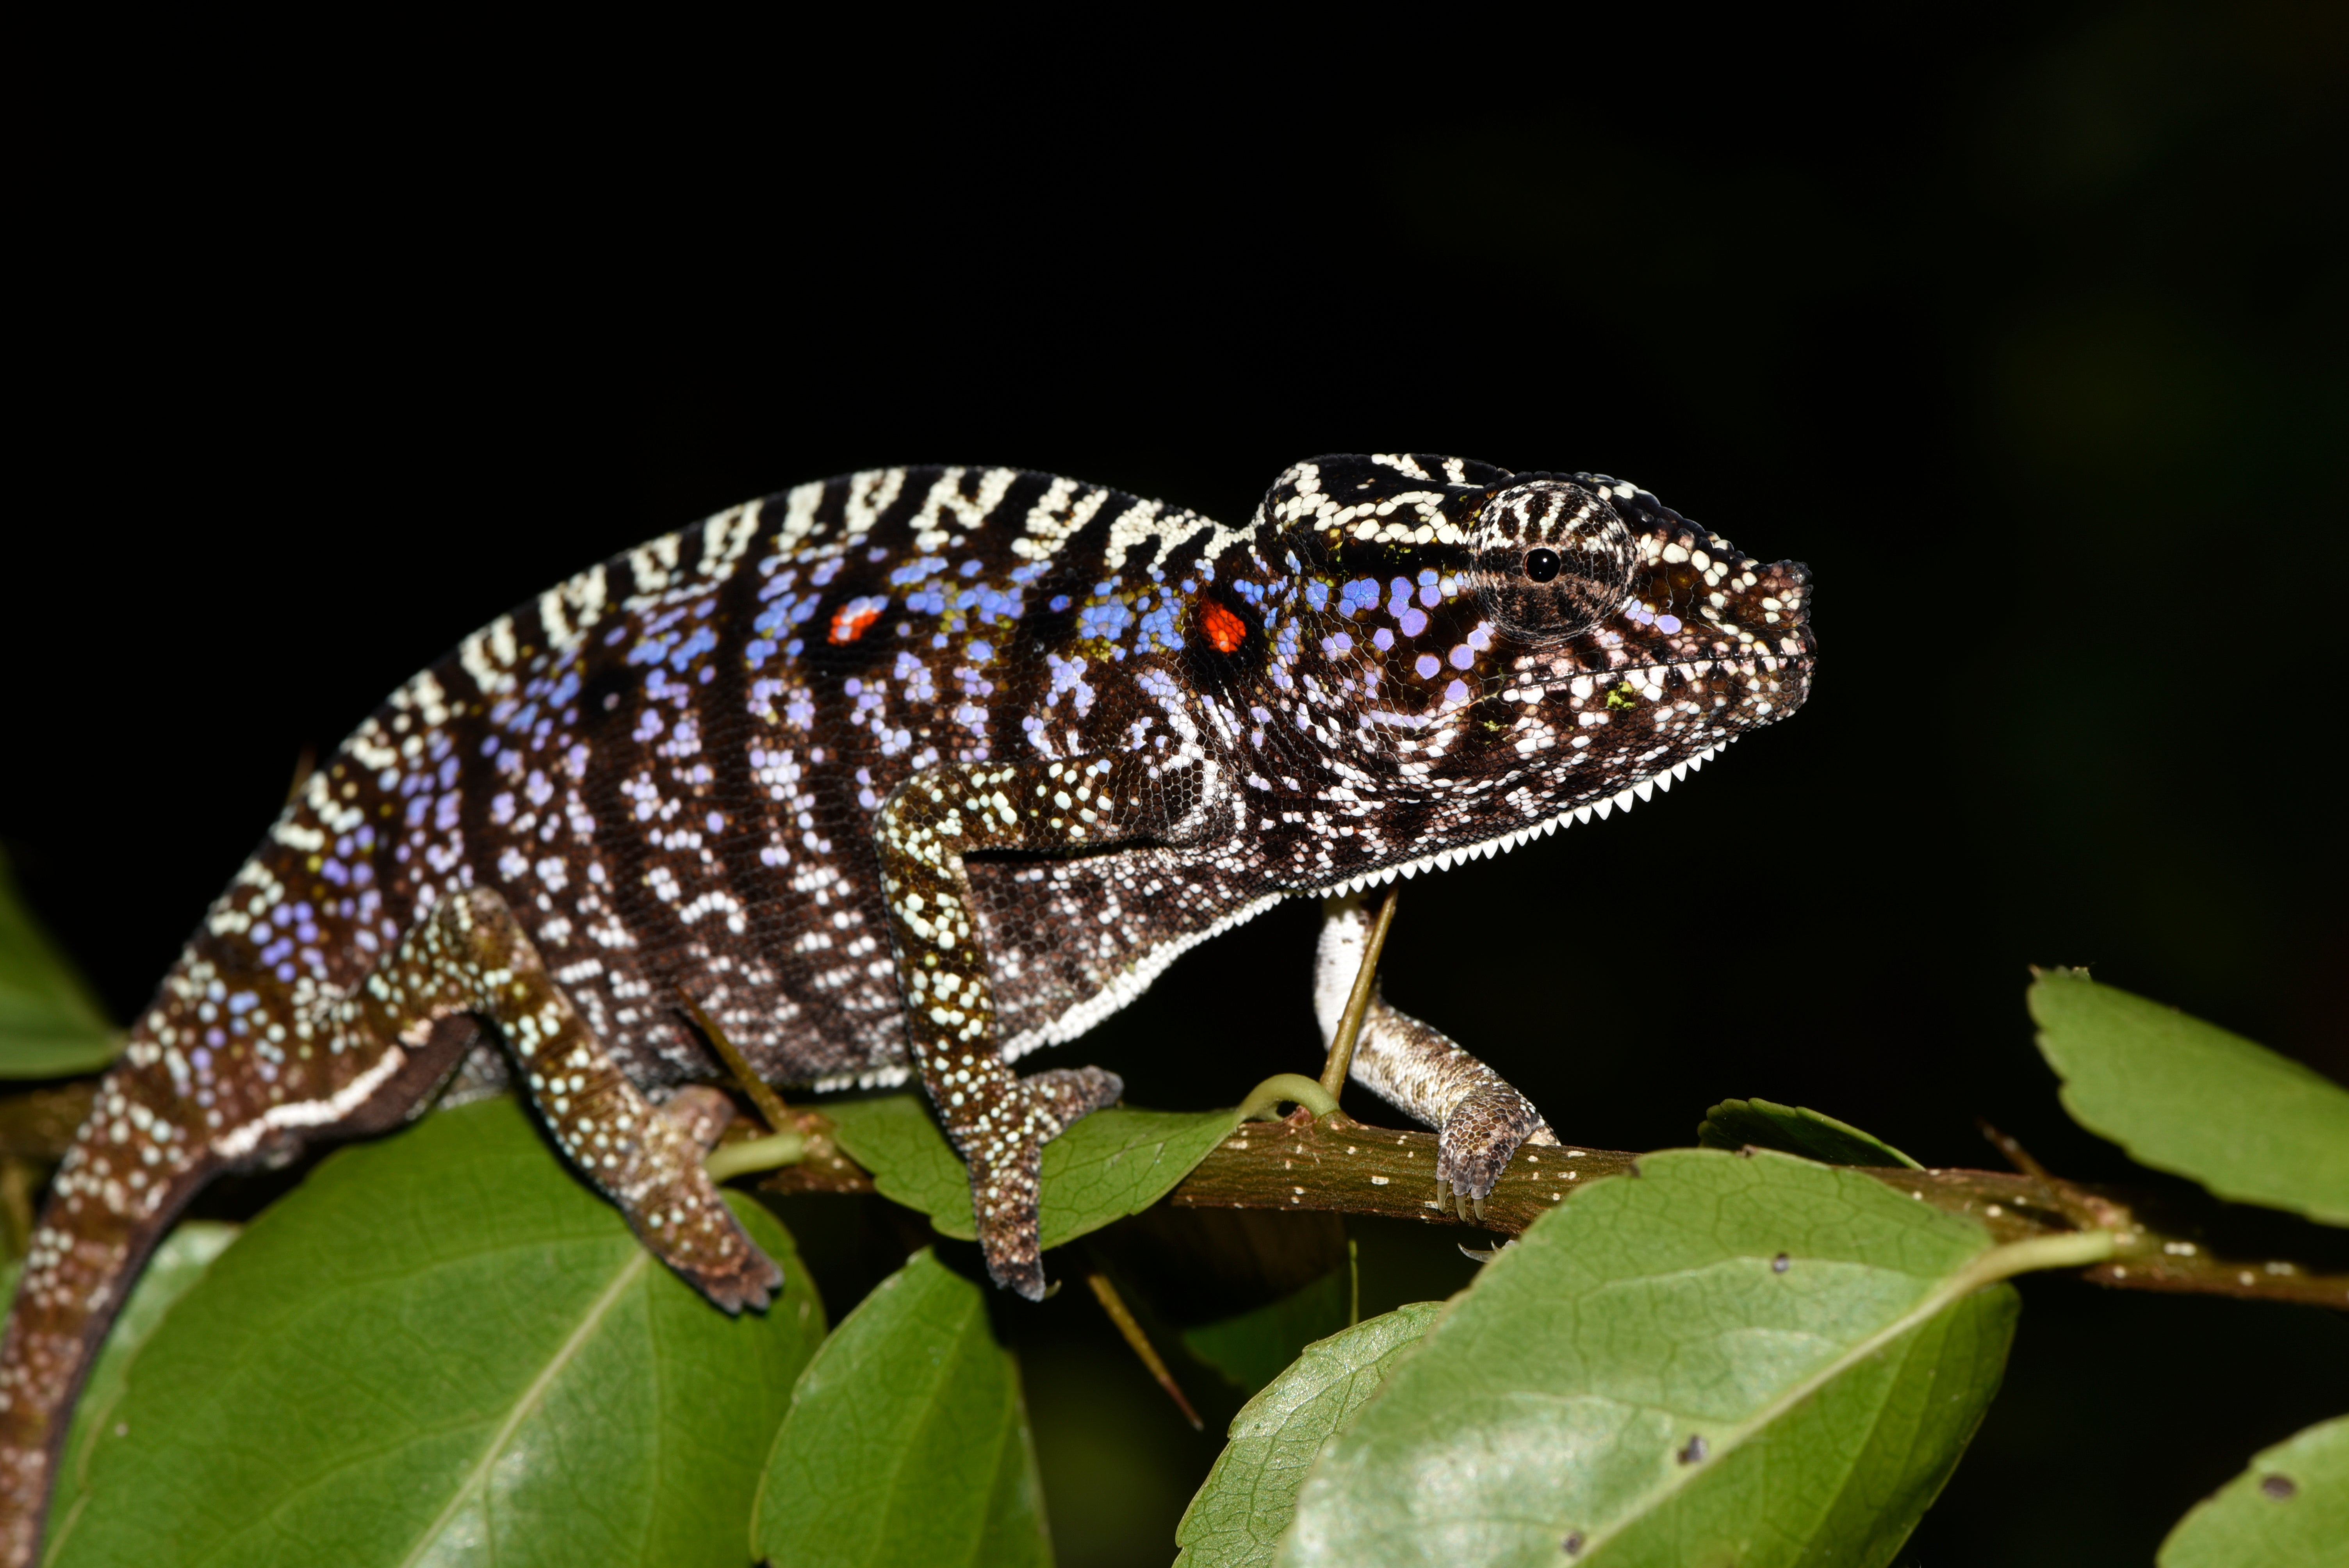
x=1745, y=663
x=1444, y=859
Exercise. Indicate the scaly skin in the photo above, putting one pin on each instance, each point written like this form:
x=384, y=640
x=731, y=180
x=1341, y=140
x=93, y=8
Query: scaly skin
x=753, y=760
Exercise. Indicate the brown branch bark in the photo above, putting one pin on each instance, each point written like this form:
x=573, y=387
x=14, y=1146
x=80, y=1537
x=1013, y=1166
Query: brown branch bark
x=1344, y=1166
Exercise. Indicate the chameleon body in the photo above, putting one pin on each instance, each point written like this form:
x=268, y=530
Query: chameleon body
x=911, y=771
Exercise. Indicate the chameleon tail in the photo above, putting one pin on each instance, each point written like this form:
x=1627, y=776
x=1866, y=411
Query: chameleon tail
x=126, y=1178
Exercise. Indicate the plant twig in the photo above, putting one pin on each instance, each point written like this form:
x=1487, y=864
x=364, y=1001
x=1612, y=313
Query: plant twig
x=772, y=1110
x=1358, y=1001
x=1118, y=1314
x=2011, y=1147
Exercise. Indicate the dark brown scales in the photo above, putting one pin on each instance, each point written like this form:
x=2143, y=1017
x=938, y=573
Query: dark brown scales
x=731, y=761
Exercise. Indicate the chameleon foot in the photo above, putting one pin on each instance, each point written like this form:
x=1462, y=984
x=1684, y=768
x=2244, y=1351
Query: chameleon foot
x=1477, y=1142
x=1005, y=1150
x=1481, y=1120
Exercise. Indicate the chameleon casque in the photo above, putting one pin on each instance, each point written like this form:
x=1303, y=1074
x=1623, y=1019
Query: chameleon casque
x=909, y=772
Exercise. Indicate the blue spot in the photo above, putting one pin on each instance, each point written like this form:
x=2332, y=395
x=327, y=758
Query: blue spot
x=1104, y=620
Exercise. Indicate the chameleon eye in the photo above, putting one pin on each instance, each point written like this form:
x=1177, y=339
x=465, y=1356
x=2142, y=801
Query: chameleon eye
x=1551, y=558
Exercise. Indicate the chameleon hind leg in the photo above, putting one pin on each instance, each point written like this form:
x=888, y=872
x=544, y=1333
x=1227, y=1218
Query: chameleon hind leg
x=470, y=955
x=998, y=1121
x=1481, y=1121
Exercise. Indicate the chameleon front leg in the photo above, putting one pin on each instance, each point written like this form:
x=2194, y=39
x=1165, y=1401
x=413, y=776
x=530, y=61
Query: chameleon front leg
x=1480, y=1121
x=470, y=956
x=998, y=1121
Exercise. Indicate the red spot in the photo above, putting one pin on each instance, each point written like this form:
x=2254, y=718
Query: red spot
x=1224, y=629
x=850, y=621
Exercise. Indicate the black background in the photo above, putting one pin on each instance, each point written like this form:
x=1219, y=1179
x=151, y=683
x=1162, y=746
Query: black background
x=2023, y=326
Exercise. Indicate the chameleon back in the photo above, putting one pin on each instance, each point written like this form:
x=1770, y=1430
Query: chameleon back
x=674, y=770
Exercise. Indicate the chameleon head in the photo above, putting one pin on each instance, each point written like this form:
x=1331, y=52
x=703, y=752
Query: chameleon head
x=1561, y=641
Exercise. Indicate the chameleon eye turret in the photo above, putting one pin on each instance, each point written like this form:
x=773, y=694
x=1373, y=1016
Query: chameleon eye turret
x=761, y=762
x=1551, y=558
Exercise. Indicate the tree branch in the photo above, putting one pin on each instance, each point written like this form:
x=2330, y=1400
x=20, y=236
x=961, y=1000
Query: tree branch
x=1342, y=1166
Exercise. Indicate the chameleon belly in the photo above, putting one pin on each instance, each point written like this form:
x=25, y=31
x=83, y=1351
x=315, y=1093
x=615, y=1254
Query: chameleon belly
x=912, y=770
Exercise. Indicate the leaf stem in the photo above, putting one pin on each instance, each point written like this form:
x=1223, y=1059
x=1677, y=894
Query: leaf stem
x=729, y=1160
x=1294, y=1088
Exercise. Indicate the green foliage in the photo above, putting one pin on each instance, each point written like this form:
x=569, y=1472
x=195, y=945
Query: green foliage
x=50, y=1025
x=1251, y=1349
x=1639, y=1380
x=907, y=1439
x=444, y=1348
x=1112, y=1163
x=443, y=1345
x=2289, y=1510
x=2188, y=1097
x=1248, y=1499
x=1793, y=1129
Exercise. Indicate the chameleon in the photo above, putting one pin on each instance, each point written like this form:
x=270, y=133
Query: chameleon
x=905, y=773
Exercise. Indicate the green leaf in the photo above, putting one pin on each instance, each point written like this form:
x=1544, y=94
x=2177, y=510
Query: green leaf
x=50, y=1025
x=443, y=1346
x=176, y=1264
x=2190, y=1097
x=894, y=1136
x=2289, y=1510
x=1248, y=1499
x=907, y=1441
x=1112, y=1163
x=1794, y=1130
x=1251, y=1349
x=1639, y=1380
